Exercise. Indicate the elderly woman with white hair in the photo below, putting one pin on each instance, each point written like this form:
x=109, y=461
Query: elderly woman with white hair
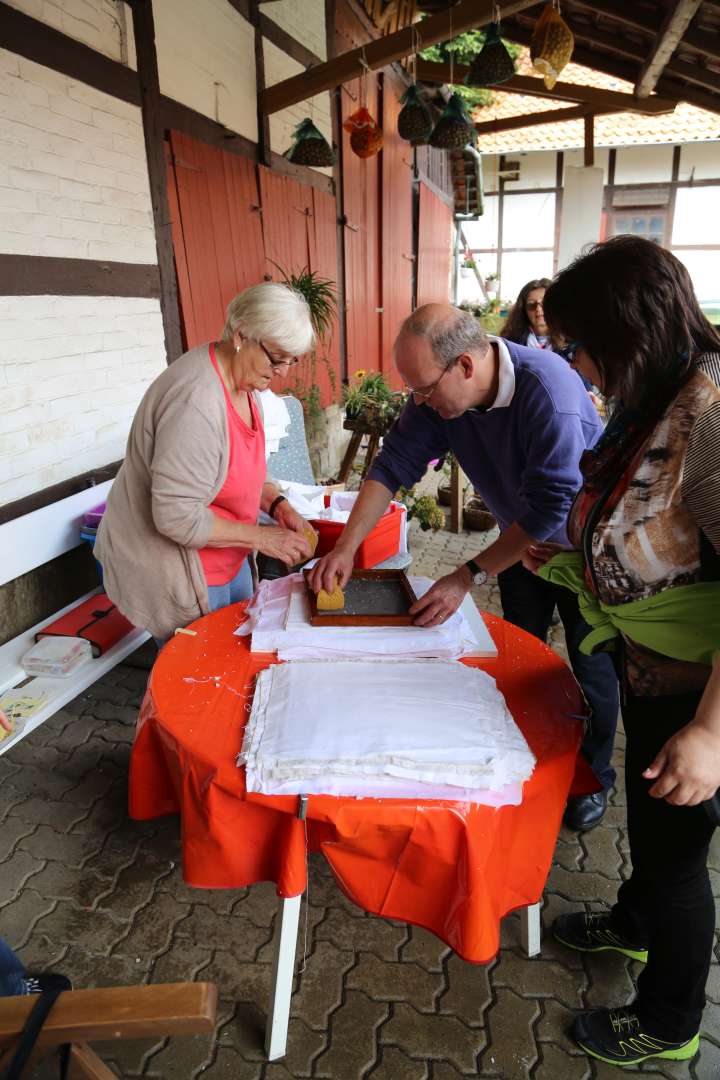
x=182, y=514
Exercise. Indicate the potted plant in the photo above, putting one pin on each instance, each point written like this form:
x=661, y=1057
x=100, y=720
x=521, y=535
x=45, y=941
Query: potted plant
x=444, y=490
x=371, y=406
x=423, y=508
x=468, y=266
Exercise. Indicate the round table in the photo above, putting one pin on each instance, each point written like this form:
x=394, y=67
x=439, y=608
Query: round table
x=454, y=868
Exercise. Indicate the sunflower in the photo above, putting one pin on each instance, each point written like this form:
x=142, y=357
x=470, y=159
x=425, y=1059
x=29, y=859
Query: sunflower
x=360, y=373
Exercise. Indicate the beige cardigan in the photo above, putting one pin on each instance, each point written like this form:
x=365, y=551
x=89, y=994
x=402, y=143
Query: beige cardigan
x=157, y=515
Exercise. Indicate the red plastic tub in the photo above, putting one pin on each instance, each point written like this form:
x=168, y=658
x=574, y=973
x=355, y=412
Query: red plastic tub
x=382, y=542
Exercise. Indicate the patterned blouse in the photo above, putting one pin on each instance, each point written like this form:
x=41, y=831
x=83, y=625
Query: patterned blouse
x=650, y=519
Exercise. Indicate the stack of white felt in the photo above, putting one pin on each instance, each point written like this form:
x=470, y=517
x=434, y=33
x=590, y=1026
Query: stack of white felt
x=416, y=729
x=279, y=621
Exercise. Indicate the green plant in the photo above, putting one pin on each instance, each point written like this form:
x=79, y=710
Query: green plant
x=321, y=296
x=424, y=508
x=463, y=49
x=368, y=395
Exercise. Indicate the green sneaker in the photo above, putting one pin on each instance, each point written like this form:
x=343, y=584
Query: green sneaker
x=593, y=932
x=616, y=1036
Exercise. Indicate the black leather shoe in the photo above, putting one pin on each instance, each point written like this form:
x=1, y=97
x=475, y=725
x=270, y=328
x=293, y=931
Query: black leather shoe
x=586, y=812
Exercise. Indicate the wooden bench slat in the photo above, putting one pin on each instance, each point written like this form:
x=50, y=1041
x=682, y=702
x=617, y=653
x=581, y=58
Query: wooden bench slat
x=117, y=1012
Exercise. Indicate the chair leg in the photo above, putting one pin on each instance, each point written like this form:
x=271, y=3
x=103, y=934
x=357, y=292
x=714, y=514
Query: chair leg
x=86, y=1065
x=286, y=932
x=350, y=455
x=372, y=449
x=530, y=929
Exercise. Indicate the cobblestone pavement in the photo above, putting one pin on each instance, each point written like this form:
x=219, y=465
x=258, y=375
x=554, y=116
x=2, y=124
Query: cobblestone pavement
x=100, y=897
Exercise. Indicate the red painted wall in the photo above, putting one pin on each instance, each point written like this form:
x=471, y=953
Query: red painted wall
x=397, y=240
x=434, y=255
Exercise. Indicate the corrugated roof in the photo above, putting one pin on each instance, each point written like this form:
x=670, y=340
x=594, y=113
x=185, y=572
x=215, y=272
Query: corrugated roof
x=686, y=124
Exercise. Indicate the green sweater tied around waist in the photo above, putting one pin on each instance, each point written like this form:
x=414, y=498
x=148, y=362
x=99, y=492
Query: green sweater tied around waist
x=681, y=622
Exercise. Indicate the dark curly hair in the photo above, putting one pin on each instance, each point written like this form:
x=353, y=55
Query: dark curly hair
x=517, y=325
x=633, y=306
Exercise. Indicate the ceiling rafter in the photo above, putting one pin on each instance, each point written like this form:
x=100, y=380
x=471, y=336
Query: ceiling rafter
x=467, y=15
x=549, y=116
x=666, y=42
x=562, y=91
x=699, y=41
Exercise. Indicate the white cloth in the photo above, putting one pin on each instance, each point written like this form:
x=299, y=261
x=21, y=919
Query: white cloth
x=429, y=729
x=279, y=621
x=276, y=420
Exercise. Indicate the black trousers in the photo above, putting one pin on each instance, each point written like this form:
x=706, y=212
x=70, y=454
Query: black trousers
x=668, y=901
x=529, y=602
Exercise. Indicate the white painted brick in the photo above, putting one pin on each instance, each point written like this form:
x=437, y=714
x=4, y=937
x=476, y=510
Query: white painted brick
x=94, y=23
x=17, y=198
x=13, y=443
x=304, y=20
x=69, y=139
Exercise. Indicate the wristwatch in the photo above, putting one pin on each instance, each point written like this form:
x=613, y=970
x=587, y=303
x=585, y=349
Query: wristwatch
x=479, y=576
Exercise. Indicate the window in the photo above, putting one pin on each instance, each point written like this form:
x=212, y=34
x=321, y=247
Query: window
x=649, y=223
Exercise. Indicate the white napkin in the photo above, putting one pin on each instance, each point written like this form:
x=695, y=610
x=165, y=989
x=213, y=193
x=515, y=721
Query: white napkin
x=278, y=619
x=430, y=729
x=276, y=420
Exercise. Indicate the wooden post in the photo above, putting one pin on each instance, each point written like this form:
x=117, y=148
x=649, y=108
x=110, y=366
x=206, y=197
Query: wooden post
x=589, y=141
x=456, y=497
x=263, y=122
x=336, y=119
x=147, y=69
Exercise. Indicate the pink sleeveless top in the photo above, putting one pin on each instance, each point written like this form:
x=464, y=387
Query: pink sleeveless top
x=239, y=497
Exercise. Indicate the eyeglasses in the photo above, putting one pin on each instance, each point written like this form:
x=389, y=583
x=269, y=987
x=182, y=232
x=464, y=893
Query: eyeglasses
x=275, y=362
x=533, y=304
x=571, y=347
x=426, y=392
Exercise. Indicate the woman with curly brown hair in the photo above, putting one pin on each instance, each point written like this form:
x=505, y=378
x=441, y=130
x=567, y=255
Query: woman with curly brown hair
x=646, y=529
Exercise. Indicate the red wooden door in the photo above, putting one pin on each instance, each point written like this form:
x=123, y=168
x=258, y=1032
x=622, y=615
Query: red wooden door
x=434, y=248
x=299, y=229
x=217, y=234
x=397, y=239
x=361, y=201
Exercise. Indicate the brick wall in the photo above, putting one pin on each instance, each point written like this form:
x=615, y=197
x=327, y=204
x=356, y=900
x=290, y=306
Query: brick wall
x=101, y=24
x=73, y=174
x=72, y=372
x=279, y=66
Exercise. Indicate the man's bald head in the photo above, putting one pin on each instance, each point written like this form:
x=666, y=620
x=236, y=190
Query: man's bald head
x=448, y=332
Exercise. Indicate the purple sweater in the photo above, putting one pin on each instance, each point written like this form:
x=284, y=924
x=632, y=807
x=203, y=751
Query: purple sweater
x=522, y=458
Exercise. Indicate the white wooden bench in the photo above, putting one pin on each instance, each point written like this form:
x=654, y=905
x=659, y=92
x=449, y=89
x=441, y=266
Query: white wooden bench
x=29, y=542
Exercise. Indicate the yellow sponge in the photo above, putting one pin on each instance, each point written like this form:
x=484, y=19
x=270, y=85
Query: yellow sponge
x=312, y=538
x=333, y=601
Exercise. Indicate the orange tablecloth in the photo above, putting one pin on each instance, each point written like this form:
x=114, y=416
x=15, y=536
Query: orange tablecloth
x=454, y=868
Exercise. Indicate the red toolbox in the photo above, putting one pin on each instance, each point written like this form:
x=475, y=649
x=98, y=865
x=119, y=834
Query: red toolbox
x=380, y=544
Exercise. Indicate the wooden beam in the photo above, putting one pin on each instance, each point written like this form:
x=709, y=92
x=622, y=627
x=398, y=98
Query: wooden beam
x=117, y=1012
x=336, y=120
x=562, y=91
x=549, y=116
x=589, y=146
x=673, y=27
x=144, y=30
x=290, y=45
x=242, y=7
x=263, y=123
x=41, y=275
x=466, y=15
x=44, y=45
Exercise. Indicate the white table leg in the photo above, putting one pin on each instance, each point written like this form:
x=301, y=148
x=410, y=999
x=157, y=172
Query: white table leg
x=530, y=929
x=286, y=932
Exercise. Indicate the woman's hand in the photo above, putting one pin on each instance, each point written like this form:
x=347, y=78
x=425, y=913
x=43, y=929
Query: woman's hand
x=333, y=569
x=538, y=554
x=287, y=518
x=443, y=599
x=4, y=722
x=285, y=544
x=687, y=769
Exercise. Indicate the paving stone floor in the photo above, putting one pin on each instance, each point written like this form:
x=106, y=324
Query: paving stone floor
x=87, y=891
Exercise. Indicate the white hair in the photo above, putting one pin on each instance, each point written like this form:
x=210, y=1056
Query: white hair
x=459, y=332
x=272, y=312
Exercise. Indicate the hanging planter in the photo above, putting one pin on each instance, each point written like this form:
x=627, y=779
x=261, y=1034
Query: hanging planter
x=454, y=129
x=366, y=137
x=415, y=121
x=310, y=147
x=493, y=65
x=551, y=45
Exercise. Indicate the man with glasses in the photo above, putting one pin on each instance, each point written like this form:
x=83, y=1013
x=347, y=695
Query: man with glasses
x=517, y=420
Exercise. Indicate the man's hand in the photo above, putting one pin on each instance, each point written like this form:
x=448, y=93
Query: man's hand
x=687, y=769
x=538, y=554
x=284, y=544
x=443, y=599
x=333, y=569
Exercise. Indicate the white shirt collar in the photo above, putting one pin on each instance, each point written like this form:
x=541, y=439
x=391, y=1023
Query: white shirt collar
x=506, y=375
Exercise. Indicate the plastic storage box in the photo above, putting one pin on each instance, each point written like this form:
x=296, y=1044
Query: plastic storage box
x=56, y=656
x=380, y=544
